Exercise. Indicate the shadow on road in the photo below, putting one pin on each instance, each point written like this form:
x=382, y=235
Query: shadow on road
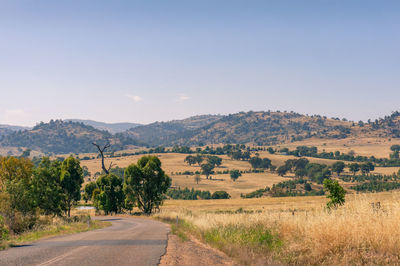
x=20, y=246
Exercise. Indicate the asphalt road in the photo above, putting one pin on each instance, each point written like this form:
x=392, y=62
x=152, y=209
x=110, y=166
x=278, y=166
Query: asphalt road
x=129, y=241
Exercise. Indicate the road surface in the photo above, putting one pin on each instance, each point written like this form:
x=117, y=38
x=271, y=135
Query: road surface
x=129, y=241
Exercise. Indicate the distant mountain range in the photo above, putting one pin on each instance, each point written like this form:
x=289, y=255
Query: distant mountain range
x=261, y=128
x=110, y=127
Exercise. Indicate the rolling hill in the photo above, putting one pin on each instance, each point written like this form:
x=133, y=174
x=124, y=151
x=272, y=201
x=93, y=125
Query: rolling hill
x=262, y=128
x=161, y=133
x=64, y=137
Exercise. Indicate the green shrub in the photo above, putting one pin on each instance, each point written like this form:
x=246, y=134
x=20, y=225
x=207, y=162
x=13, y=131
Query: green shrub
x=3, y=230
x=220, y=195
x=336, y=193
x=256, y=236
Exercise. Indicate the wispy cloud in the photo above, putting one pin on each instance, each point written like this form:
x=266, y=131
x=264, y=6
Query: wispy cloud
x=182, y=97
x=135, y=98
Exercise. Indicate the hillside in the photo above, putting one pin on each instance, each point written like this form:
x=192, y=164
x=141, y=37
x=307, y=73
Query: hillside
x=110, y=127
x=5, y=131
x=63, y=137
x=8, y=129
x=161, y=133
x=263, y=128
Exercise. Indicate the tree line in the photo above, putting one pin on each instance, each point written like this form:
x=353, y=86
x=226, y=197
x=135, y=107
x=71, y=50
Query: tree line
x=192, y=194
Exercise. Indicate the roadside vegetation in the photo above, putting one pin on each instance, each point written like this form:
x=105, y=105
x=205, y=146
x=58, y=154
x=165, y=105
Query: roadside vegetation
x=51, y=226
x=363, y=230
x=37, y=201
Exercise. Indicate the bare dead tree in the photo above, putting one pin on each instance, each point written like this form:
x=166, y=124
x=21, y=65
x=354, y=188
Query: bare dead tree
x=101, y=151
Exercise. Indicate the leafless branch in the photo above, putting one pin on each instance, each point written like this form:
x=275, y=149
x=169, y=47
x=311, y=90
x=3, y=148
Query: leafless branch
x=101, y=151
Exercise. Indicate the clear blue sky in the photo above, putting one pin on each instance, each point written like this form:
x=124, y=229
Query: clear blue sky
x=145, y=61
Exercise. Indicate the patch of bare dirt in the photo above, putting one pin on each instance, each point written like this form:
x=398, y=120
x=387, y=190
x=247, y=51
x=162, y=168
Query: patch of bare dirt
x=192, y=252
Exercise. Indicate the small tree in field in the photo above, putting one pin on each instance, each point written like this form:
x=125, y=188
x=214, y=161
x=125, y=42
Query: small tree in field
x=220, y=195
x=282, y=170
x=190, y=159
x=207, y=169
x=366, y=168
x=396, y=151
x=235, y=174
x=336, y=193
x=338, y=167
x=354, y=168
x=199, y=159
x=197, y=179
x=215, y=160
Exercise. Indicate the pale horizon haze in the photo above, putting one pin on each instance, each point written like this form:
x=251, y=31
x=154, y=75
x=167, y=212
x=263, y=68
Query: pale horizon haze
x=147, y=61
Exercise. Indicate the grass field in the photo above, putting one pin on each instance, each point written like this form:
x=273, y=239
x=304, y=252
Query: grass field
x=174, y=162
x=364, y=146
x=281, y=230
x=284, y=230
x=294, y=230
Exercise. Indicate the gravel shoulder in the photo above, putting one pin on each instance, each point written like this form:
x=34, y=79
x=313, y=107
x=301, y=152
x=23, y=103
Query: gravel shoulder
x=192, y=252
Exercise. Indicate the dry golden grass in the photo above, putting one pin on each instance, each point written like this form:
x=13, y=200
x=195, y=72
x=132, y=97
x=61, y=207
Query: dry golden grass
x=354, y=234
x=386, y=170
x=306, y=232
x=171, y=162
x=174, y=162
x=364, y=146
x=14, y=151
x=245, y=184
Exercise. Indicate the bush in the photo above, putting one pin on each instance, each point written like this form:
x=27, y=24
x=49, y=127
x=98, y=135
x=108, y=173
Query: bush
x=187, y=194
x=336, y=193
x=255, y=194
x=220, y=195
x=3, y=229
x=22, y=223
